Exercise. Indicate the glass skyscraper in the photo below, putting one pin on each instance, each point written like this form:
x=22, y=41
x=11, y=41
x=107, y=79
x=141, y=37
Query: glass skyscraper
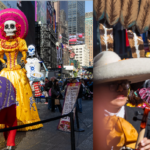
x=64, y=6
x=76, y=17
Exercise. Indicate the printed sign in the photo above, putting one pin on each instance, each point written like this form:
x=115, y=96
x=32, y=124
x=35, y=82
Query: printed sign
x=70, y=100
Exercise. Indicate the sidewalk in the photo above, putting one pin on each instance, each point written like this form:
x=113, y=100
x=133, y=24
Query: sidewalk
x=49, y=137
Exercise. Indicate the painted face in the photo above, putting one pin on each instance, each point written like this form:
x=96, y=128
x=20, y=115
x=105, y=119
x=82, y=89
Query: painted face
x=31, y=50
x=10, y=28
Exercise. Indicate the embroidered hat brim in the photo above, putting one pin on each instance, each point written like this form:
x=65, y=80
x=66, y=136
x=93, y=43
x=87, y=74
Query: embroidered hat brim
x=108, y=67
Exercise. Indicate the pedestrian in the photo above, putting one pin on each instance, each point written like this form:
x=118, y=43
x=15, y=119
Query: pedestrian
x=61, y=84
x=83, y=84
x=50, y=85
x=90, y=85
x=38, y=92
x=114, y=126
x=56, y=94
x=79, y=98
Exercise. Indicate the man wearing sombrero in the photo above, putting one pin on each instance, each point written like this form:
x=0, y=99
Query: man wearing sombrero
x=114, y=124
x=13, y=30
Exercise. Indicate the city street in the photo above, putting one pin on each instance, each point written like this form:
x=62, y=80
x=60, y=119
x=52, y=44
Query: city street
x=49, y=137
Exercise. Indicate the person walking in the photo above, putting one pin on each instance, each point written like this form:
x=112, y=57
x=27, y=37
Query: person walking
x=79, y=99
x=38, y=93
x=56, y=94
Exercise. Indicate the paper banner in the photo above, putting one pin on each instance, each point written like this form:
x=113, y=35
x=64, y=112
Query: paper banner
x=70, y=100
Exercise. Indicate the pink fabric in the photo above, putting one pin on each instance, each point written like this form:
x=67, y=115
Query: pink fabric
x=72, y=40
x=145, y=94
x=17, y=16
x=50, y=94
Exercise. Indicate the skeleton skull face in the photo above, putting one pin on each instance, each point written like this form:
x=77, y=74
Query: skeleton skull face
x=31, y=50
x=10, y=27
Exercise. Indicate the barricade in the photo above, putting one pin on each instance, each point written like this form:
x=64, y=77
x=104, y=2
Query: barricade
x=48, y=120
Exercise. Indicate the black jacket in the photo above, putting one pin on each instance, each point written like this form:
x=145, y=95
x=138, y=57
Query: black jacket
x=56, y=92
x=48, y=86
x=130, y=116
x=80, y=91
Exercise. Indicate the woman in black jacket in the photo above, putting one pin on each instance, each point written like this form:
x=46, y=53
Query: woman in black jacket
x=56, y=94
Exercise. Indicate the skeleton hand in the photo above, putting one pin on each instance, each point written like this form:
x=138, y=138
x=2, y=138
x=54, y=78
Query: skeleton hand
x=23, y=60
x=4, y=65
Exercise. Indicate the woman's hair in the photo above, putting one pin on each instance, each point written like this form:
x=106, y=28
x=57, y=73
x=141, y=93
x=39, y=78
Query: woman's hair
x=56, y=85
x=133, y=99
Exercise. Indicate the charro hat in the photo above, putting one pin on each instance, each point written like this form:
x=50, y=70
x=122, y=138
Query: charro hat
x=109, y=67
x=17, y=16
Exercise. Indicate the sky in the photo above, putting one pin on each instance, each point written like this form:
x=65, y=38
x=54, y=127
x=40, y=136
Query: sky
x=88, y=6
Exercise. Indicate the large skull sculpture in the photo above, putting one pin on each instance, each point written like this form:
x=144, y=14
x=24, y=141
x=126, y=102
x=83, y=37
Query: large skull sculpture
x=10, y=27
x=31, y=50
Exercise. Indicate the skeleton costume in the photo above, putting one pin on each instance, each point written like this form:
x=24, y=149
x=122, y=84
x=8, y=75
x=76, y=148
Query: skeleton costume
x=13, y=30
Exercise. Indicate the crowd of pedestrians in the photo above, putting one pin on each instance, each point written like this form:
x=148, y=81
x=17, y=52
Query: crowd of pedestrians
x=52, y=89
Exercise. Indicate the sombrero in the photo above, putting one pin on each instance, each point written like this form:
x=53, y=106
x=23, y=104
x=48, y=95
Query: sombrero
x=108, y=67
x=7, y=93
x=17, y=16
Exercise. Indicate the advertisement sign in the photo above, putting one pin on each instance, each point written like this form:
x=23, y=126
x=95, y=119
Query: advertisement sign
x=41, y=11
x=69, y=103
x=76, y=39
x=49, y=13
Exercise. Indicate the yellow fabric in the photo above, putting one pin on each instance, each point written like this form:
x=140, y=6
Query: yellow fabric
x=120, y=131
x=26, y=112
x=130, y=105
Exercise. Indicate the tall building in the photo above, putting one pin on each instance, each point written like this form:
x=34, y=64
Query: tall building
x=76, y=17
x=61, y=20
x=81, y=54
x=89, y=35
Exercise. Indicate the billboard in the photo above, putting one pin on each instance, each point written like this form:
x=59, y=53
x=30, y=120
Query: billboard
x=76, y=39
x=49, y=13
x=41, y=11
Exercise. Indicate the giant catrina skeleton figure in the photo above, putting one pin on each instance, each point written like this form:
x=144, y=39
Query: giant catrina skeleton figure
x=13, y=30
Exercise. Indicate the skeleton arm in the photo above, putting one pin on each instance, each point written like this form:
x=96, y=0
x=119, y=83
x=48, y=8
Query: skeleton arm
x=1, y=58
x=24, y=54
x=45, y=69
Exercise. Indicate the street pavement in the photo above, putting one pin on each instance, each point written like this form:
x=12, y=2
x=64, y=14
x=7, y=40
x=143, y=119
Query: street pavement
x=49, y=137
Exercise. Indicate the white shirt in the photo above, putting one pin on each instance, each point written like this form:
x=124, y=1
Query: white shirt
x=121, y=113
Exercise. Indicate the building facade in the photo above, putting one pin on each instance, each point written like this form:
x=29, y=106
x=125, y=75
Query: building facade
x=89, y=35
x=76, y=17
x=61, y=8
x=81, y=54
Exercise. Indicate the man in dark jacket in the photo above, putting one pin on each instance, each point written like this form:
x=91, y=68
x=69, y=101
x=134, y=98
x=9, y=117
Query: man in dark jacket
x=79, y=99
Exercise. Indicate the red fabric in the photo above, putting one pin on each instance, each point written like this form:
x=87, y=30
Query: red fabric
x=72, y=40
x=8, y=117
x=127, y=40
x=38, y=92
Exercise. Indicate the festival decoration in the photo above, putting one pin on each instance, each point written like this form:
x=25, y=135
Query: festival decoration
x=130, y=13
x=11, y=43
x=136, y=44
x=106, y=38
x=142, y=21
x=33, y=66
x=112, y=10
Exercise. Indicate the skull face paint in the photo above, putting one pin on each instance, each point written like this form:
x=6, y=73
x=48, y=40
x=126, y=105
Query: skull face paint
x=10, y=28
